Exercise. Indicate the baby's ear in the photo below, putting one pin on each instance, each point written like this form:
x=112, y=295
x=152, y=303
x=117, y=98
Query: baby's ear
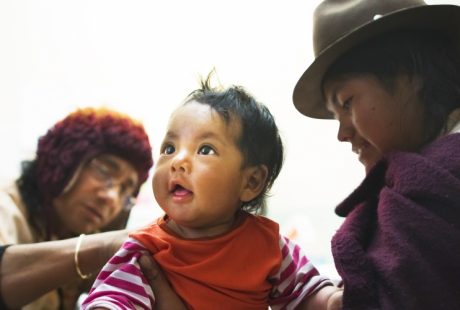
x=254, y=182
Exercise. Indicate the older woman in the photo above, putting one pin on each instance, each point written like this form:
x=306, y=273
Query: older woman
x=87, y=172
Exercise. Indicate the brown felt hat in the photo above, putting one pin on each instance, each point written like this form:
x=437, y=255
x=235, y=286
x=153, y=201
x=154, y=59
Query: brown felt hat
x=340, y=25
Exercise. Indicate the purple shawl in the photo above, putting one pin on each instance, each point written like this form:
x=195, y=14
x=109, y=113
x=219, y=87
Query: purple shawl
x=399, y=246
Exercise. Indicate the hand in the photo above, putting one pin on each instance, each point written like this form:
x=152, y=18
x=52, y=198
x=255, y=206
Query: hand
x=327, y=298
x=335, y=300
x=108, y=242
x=165, y=297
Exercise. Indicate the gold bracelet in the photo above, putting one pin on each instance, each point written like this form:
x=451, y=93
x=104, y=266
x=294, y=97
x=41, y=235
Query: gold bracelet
x=77, y=265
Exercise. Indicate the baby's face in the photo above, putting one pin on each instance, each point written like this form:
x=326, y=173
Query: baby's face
x=199, y=178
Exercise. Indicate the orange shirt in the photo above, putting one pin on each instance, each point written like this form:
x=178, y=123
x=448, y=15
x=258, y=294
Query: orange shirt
x=230, y=271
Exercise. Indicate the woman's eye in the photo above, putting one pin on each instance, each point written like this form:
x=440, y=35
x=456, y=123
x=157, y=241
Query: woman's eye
x=168, y=149
x=206, y=150
x=123, y=189
x=102, y=169
x=346, y=105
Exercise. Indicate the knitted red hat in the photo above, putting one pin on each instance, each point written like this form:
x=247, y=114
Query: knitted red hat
x=82, y=135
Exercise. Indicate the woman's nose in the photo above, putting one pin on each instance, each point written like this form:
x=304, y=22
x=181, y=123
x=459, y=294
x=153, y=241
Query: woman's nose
x=345, y=132
x=111, y=195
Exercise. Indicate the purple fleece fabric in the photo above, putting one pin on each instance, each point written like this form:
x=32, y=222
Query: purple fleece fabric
x=399, y=246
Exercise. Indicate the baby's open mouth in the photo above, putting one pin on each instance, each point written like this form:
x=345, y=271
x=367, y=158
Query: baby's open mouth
x=179, y=190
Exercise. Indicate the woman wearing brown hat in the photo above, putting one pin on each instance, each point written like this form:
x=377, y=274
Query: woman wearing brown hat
x=87, y=171
x=389, y=72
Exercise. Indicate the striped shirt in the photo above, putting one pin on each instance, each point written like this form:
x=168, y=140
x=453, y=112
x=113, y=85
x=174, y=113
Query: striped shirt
x=121, y=284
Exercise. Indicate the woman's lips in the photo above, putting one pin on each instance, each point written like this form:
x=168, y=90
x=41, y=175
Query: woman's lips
x=94, y=213
x=360, y=149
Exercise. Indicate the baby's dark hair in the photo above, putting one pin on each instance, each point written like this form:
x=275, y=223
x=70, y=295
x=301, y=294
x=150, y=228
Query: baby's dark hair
x=259, y=142
x=428, y=57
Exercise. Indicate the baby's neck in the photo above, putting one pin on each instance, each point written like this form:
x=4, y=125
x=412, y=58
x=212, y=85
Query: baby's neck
x=205, y=231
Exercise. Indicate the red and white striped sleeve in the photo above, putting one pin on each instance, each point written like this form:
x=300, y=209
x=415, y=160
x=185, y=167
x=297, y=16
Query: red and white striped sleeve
x=121, y=284
x=296, y=279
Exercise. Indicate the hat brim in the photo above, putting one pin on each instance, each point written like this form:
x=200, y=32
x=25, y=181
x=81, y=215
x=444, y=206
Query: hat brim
x=308, y=97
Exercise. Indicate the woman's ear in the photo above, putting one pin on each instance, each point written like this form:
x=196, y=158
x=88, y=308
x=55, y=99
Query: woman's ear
x=254, y=182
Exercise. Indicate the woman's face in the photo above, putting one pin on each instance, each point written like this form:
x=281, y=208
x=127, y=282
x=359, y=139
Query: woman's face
x=96, y=194
x=374, y=120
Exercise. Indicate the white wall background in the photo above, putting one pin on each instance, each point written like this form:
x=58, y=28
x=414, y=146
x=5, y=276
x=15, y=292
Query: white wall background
x=143, y=57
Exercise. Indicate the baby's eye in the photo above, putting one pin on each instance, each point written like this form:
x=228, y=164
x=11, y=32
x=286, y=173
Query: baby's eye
x=206, y=150
x=168, y=149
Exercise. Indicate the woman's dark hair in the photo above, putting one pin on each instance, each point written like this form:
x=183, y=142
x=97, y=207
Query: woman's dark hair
x=32, y=197
x=425, y=56
x=259, y=142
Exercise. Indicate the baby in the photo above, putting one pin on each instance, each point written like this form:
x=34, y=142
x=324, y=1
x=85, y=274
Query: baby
x=219, y=158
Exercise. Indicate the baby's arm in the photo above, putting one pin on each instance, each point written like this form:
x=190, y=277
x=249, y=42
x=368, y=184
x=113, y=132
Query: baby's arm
x=327, y=298
x=121, y=284
x=297, y=280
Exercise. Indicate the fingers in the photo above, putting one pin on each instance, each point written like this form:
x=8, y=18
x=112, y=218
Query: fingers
x=150, y=269
x=165, y=297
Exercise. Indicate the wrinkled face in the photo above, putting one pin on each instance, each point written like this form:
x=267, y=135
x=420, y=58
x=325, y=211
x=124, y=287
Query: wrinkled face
x=372, y=119
x=199, y=177
x=97, y=193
